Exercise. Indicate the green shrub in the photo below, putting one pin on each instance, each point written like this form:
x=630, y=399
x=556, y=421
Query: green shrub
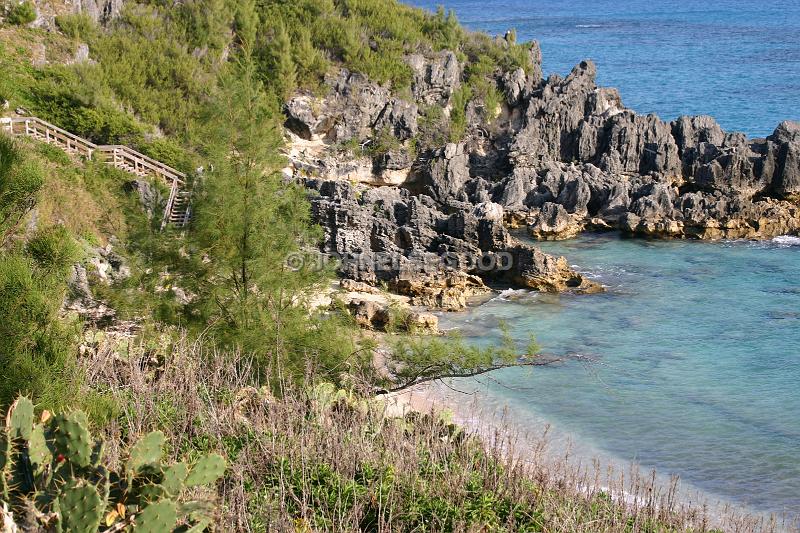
x=36, y=350
x=77, y=26
x=22, y=13
x=53, y=250
x=20, y=182
x=458, y=114
x=168, y=151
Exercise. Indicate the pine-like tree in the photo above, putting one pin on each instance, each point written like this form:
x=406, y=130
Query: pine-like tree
x=248, y=221
x=246, y=23
x=311, y=63
x=278, y=69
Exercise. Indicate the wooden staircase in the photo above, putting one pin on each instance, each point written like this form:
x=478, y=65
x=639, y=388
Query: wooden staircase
x=177, y=212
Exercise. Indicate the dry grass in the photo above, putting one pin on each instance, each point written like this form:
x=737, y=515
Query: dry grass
x=307, y=461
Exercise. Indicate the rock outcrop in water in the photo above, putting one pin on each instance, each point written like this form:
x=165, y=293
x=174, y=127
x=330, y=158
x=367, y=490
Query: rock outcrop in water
x=560, y=156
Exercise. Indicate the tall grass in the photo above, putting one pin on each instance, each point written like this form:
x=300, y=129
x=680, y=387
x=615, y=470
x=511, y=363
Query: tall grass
x=317, y=459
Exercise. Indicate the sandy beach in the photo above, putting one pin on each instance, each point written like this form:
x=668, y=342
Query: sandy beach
x=553, y=453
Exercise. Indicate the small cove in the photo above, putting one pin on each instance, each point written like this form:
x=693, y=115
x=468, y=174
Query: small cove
x=696, y=359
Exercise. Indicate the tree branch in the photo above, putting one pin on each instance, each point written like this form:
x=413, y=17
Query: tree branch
x=419, y=379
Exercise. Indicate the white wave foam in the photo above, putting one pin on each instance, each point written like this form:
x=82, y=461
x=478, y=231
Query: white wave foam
x=787, y=240
x=588, y=25
x=511, y=294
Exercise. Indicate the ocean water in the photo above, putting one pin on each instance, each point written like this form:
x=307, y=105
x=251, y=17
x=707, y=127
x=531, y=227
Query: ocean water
x=695, y=361
x=736, y=60
x=695, y=346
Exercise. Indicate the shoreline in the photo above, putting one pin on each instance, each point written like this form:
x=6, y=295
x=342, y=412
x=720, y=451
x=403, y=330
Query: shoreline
x=547, y=449
x=481, y=414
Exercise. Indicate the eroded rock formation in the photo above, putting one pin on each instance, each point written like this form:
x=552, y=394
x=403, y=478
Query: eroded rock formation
x=561, y=155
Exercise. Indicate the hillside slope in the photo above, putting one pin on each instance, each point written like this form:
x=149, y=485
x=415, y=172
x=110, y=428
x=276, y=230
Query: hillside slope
x=386, y=135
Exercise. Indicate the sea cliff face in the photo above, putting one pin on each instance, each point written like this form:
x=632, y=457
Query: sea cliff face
x=556, y=156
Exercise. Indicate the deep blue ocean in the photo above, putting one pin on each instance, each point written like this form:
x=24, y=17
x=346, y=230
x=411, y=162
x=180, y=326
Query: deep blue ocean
x=696, y=346
x=736, y=60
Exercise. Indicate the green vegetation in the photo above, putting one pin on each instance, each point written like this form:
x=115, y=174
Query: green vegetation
x=36, y=349
x=20, y=13
x=52, y=473
x=76, y=26
x=322, y=457
x=216, y=350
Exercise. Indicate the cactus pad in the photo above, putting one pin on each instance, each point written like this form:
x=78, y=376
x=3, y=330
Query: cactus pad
x=157, y=518
x=38, y=452
x=97, y=452
x=207, y=470
x=80, y=509
x=71, y=439
x=174, y=478
x=146, y=452
x=20, y=418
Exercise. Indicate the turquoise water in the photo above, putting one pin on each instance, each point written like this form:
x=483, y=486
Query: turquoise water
x=696, y=371
x=736, y=60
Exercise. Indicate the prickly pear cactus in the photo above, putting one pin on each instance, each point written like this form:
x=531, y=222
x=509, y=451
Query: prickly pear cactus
x=51, y=471
x=79, y=508
x=146, y=452
x=70, y=439
x=207, y=470
x=157, y=518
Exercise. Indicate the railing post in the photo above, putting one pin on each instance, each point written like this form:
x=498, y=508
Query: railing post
x=171, y=200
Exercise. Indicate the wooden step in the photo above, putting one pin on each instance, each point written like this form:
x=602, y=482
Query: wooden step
x=180, y=210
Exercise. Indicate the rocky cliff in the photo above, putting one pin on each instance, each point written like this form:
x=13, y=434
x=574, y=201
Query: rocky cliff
x=557, y=156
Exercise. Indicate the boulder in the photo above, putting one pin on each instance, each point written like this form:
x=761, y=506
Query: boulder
x=447, y=173
x=369, y=314
x=553, y=222
x=398, y=117
x=535, y=270
x=418, y=322
x=435, y=78
x=448, y=290
x=358, y=286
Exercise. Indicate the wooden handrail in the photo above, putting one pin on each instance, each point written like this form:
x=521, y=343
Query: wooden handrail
x=47, y=125
x=122, y=157
x=149, y=162
x=90, y=147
